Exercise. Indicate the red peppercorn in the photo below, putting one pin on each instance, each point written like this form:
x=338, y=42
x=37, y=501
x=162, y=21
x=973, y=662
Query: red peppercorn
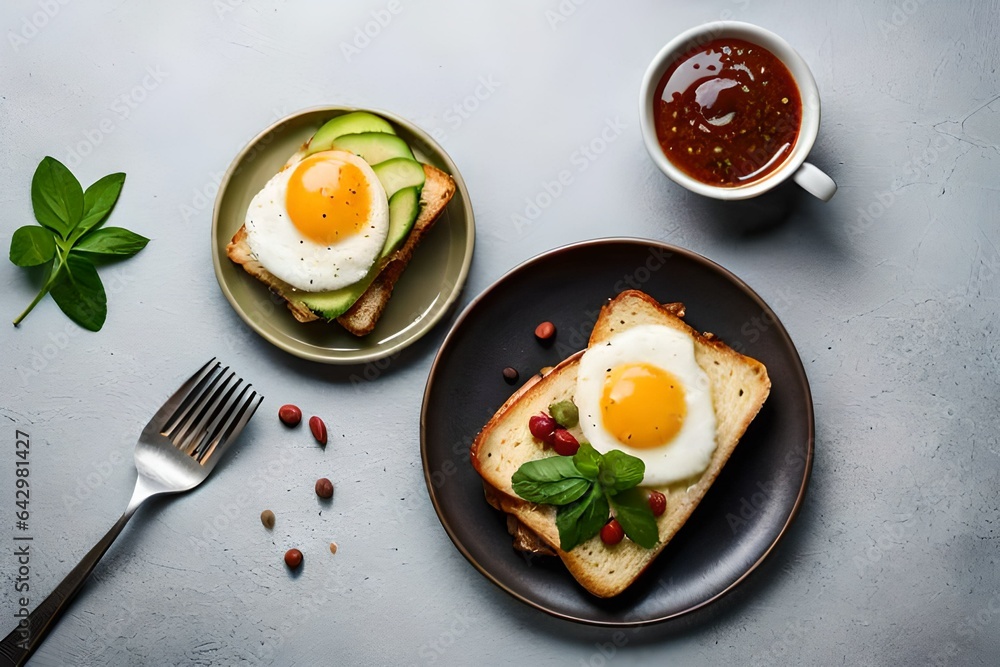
x=657, y=503
x=293, y=558
x=290, y=415
x=324, y=488
x=542, y=427
x=564, y=443
x=612, y=532
x=318, y=429
x=545, y=331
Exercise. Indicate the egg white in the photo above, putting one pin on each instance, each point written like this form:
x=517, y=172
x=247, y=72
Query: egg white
x=690, y=451
x=299, y=261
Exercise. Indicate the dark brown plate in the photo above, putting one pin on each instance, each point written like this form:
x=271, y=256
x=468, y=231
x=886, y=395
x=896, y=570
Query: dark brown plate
x=744, y=514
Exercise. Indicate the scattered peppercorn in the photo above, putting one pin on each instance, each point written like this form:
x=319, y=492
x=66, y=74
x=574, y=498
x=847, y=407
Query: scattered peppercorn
x=324, y=488
x=510, y=374
x=318, y=429
x=293, y=558
x=545, y=331
x=290, y=415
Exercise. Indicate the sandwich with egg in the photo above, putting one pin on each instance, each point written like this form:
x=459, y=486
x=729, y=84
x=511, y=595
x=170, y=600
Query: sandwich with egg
x=602, y=459
x=333, y=230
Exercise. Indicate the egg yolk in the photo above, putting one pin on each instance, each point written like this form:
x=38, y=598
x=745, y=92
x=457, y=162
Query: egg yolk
x=328, y=201
x=642, y=406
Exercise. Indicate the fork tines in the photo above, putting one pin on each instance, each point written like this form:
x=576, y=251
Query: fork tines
x=213, y=411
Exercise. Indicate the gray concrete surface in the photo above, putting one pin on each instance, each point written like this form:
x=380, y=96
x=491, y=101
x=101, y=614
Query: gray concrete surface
x=890, y=292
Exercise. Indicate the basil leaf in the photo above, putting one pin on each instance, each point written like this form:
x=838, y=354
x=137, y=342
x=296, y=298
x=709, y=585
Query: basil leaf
x=634, y=514
x=56, y=197
x=553, y=480
x=79, y=293
x=98, y=201
x=587, y=460
x=620, y=471
x=581, y=520
x=32, y=245
x=558, y=492
x=112, y=241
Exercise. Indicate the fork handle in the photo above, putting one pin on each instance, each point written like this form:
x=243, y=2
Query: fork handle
x=18, y=646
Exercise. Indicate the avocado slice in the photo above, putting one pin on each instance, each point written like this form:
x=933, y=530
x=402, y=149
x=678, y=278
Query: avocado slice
x=351, y=123
x=404, y=206
x=399, y=173
x=373, y=147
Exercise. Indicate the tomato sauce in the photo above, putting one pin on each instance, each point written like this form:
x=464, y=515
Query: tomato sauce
x=727, y=113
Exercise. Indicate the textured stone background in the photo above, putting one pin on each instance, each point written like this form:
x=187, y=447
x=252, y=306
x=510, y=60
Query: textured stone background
x=889, y=291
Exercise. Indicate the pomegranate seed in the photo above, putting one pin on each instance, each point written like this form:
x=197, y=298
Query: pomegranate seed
x=612, y=532
x=657, y=503
x=542, y=427
x=564, y=443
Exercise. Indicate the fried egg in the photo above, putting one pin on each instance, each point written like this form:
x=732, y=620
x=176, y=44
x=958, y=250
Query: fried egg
x=319, y=223
x=642, y=392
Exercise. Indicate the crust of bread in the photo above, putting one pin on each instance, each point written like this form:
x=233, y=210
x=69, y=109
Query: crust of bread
x=362, y=317
x=740, y=386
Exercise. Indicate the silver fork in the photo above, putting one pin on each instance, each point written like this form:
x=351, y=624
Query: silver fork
x=176, y=452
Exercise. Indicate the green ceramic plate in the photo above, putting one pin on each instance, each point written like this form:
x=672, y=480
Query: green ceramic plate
x=429, y=287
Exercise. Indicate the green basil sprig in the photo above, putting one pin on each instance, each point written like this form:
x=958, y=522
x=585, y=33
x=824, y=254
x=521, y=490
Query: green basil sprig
x=586, y=487
x=69, y=238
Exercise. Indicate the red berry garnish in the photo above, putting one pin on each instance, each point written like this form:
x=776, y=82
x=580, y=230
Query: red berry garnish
x=542, y=427
x=657, y=503
x=564, y=443
x=612, y=532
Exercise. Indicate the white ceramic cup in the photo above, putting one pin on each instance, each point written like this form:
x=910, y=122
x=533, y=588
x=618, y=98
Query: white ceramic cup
x=806, y=175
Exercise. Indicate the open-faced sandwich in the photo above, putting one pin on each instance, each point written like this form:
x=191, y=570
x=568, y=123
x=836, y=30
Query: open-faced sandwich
x=332, y=232
x=602, y=459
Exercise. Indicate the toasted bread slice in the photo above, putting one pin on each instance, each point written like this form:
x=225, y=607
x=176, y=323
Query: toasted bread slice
x=361, y=318
x=739, y=387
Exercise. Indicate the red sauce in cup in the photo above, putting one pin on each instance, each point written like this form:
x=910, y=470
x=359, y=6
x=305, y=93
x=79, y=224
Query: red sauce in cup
x=728, y=113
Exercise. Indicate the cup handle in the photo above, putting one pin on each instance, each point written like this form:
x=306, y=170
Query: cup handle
x=815, y=182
